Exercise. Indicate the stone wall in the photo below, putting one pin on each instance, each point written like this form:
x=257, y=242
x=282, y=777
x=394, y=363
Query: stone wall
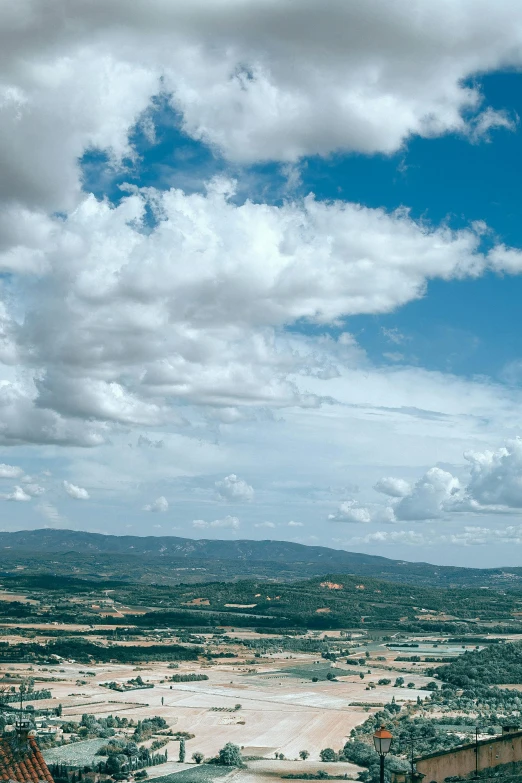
x=462, y=760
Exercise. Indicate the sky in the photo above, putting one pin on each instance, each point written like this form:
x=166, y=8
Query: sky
x=261, y=272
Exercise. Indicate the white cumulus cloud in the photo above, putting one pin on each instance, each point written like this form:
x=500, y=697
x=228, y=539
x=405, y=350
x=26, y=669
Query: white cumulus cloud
x=18, y=495
x=494, y=485
x=496, y=476
x=131, y=320
x=431, y=496
x=228, y=522
x=351, y=511
x=78, y=493
x=257, y=80
x=10, y=472
x=394, y=487
x=159, y=506
x=33, y=489
x=233, y=488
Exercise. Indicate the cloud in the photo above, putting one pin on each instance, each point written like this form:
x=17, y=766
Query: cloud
x=394, y=356
x=34, y=489
x=50, y=512
x=295, y=524
x=145, y=442
x=18, y=495
x=78, y=493
x=494, y=486
x=469, y=536
x=115, y=338
x=160, y=505
x=393, y=335
x=233, y=489
x=394, y=487
x=409, y=537
x=10, y=472
x=265, y=524
x=496, y=476
x=257, y=81
x=351, y=511
x=431, y=496
x=22, y=421
x=228, y=522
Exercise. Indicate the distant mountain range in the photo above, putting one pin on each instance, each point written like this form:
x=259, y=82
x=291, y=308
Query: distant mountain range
x=172, y=559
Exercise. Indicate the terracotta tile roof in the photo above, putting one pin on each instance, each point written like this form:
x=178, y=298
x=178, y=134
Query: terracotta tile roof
x=22, y=765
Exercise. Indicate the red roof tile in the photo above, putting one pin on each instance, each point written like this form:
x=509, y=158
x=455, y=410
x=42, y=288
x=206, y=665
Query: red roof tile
x=22, y=763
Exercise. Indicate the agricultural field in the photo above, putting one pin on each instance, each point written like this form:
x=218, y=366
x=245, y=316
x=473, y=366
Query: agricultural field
x=267, y=706
x=281, y=712
x=274, y=669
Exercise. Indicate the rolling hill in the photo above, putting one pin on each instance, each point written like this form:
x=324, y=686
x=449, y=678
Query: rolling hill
x=171, y=559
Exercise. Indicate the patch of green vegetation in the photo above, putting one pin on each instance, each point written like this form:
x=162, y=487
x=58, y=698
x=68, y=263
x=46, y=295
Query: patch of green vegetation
x=88, y=652
x=202, y=773
x=495, y=665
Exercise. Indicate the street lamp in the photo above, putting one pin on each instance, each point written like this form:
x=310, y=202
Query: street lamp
x=382, y=741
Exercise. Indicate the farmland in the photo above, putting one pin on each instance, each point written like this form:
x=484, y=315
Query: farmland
x=277, y=669
x=281, y=709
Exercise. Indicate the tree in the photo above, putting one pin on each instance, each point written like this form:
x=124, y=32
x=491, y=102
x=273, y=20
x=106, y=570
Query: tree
x=315, y=679
x=361, y=675
x=237, y=707
x=330, y=676
x=198, y=757
x=398, y=682
x=328, y=754
x=303, y=754
x=113, y=765
x=230, y=756
x=411, y=685
x=181, y=750
x=132, y=751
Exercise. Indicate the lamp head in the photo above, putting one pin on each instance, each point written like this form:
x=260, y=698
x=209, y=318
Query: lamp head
x=382, y=741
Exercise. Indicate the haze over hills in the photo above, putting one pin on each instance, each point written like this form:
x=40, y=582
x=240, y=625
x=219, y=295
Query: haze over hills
x=174, y=559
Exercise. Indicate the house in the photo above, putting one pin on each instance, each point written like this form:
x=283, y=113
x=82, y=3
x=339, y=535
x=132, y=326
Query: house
x=21, y=760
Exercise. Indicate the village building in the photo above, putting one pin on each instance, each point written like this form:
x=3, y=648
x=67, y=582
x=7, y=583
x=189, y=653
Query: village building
x=21, y=760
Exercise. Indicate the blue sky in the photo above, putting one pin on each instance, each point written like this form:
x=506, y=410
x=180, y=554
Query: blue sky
x=191, y=343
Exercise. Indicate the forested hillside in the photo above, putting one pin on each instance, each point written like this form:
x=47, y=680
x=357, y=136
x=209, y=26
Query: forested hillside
x=329, y=602
x=171, y=559
x=499, y=664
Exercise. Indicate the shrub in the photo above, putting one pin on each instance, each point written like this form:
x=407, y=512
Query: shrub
x=328, y=754
x=230, y=756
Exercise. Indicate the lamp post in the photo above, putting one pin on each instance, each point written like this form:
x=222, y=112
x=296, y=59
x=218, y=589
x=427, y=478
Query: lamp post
x=382, y=741
x=476, y=751
x=412, y=755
